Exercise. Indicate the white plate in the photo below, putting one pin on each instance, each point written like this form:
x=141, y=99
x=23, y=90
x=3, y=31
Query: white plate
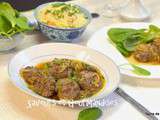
x=100, y=42
x=48, y=51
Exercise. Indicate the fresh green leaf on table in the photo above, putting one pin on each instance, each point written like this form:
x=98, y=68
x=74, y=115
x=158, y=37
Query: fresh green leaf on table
x=90, y=114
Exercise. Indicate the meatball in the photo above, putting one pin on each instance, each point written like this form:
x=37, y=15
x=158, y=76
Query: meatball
x=90, y=81
x=30, y=74
x=45, y=87
x=156, y=44
x=38, y=81
x=67, y=89
x=148, y=52
x=59, y=71
x=143, y=53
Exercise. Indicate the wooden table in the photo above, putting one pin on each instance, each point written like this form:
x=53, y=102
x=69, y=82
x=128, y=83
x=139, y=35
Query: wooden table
x=13, y=102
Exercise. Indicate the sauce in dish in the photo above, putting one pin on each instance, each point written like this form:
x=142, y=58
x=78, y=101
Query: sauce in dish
x=62, y=15
x=63, y=79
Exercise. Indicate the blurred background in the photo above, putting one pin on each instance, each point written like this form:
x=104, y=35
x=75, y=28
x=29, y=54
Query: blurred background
x=23, y=5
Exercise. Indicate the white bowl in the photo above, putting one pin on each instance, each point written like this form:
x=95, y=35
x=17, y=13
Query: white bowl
x=10, y=43
x=49, y=51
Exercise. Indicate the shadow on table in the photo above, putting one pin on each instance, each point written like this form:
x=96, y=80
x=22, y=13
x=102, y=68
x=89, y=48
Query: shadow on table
x=154, y=83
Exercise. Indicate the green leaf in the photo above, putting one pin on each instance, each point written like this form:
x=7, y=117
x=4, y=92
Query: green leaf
x=90, y=114
x=5, y=25
x=154, y=31
x=154, y=28
x=8, y=12
x=125, y=39
x=121, y=48
x=7, y=8
x=17, y=14
x=119, y=34
x=23, y=23
x=140, y=71
x=131, y=42
x=146, y=37
x=10, y=20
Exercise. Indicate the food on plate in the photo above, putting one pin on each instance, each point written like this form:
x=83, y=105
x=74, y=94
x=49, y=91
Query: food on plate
x=149, y=52
x=63, y=79
x=63, y=15
x=11, y=22
x=67, y=88
x=90, y=80
x=39, y=81
x=138, y=45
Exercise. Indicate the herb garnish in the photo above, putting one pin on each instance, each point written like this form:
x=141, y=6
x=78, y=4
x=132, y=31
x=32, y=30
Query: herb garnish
x=62, y=7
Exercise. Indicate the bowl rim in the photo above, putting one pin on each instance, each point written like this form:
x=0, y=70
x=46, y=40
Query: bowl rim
x=61, y=102
x=61, y=28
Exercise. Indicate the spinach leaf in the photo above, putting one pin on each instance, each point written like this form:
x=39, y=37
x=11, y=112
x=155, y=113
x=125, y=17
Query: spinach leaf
x=7, y=8
x=154, y=31
x=8, y=12
x=119, y=34
x=121, y=48
x=154, y=28
x=140, y=71
x=90, y=114
x=125, y=39
x=22, y=23
x=131, y=42
x=10, y=21
x=5, y=25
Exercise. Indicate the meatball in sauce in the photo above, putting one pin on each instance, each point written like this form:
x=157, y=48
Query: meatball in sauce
x=63, y=79
x=148, y=52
